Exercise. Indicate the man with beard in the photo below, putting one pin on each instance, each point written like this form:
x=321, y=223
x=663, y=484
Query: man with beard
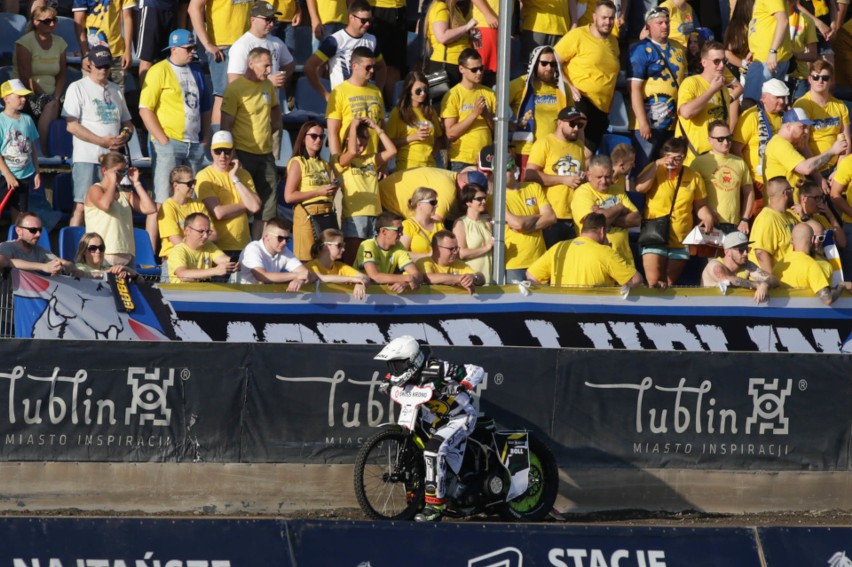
x=589, y=56
x=24, y=253
x=771, y=230
x=535, y=99
x=656, y=70
x=737, y=270
x=556, y=162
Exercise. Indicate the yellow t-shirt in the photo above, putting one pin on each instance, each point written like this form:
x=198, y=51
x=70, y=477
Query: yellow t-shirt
x=681, y=20
x=724, y=177
x=523, y=249
x=799, y=270
x=287, y=9
x=659, y=201
x=548, y=101
x=771, y=233
x=438, y=12
x=781, y=159
x=747, y=133
x=582, y=262
x=182, y=256
x=550, y=17
x=390, y=261
x=761, y=30
x=591, y=64
x=170, y=220
x=421, y=239
x=802, y=33
x=843, y=177
x=830, y=120
x=44, y=62
x=333, y=11
x=477, y=14
x=695, y=128
x=315, y=174
x=458, y=103
x=428, y=266
x=387, y=3
x=348, y=101
x=337, y=269
x=103, y=24
x=360, y=186
x=556, y=157
x=397, y=188
x=586, y=197
x=251, y=104
x=164, y=95
x=227, y=20
x=234, y=232
x=413, y=154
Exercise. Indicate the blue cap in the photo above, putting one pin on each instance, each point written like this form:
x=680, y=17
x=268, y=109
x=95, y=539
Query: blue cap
x=180, y=38
x=797, y=115
x=478, y=178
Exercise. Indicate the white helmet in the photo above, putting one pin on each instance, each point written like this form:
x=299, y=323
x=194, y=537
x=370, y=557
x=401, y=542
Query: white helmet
x=404, y=358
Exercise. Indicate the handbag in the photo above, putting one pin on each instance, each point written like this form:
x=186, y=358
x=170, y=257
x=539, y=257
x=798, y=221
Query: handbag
x=321, y=221
x=655, y=232
x=439, y=83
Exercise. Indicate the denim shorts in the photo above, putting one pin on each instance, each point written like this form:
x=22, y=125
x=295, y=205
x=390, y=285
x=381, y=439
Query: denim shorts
x=84, y=176
x=167, y=156
x=219, y=72
x=363, y=227
x=670, y=253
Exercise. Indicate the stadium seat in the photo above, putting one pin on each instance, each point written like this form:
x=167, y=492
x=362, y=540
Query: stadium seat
x=303, y=40
x=609, y=141
x=11, y=28
x=60, y=143
x=414, y=49
x=69, y=238
x=146, y=262
x=309, y=105
x=137, y=159
x=5, y=74
x=65, y=29
x=72, y=75
x=285, y=153
x=43, y=239
x=618, y=114
x=397, y=92
x=63, y=196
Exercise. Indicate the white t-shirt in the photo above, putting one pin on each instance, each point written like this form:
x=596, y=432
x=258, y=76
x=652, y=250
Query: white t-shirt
x=337, y=50
x=255, y=255
x=191, y=102
x=238, y=55
x=99, y=109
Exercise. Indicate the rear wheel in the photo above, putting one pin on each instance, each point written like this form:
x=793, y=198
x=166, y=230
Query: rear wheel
x=389, y=477
x=536, y=503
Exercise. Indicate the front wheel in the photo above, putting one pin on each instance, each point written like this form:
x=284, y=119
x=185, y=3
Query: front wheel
x=389, y=476
x=536, y=503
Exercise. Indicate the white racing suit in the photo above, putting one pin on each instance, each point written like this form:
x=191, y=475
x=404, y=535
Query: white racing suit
x=451, y=416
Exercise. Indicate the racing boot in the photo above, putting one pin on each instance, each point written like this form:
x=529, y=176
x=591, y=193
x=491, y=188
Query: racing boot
x=431, y=513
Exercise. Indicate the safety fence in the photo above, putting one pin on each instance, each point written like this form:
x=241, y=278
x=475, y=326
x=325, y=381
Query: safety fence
x=37, y=542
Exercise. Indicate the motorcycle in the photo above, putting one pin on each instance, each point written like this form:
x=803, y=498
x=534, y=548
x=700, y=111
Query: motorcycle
x=511, y=473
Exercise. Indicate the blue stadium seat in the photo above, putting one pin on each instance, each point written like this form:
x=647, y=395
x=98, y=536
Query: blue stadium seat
x=60, y=143
x=138, y=160
x=146, y=262
x=5, y=74
x=303, y=40
x=397, y=92
x=11, y=28
x=285, y=153
x=63, y=195
x=618, y=114
x=72, y=75
x=65, y=29
x=69, y=238
x=609, y=141
x=43, y=239
x=309, y=104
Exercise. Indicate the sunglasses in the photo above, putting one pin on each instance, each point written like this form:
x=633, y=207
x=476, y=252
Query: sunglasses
x=48, y=21
x=280, y=238
x=480, y=199
x=369, y=68
x=479, y=69
x=313, y=136
x=433, y=202
x=208, y=232
x=96, y=248
x=547, y=63
x=189, y=47
x=32, y=229
x=821, y=78
x=391, y=228
x=340, y=245
x=718, y=61
x=742, y=249
x=450, y=248
x=721, y=139
x=657, y=12
x=269, y=20
x=419, y=92
x=367, y=20
x=220, y=151
x=820, y=238
x=191, y=183
x=121, y=173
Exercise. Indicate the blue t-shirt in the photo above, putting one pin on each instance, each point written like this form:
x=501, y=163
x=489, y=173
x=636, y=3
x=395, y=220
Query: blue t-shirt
x=662, y=69
x=17, y=144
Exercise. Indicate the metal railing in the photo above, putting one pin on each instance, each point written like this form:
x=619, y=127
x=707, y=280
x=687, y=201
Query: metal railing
x=7, y=307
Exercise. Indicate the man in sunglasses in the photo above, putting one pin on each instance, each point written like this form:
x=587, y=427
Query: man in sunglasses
x=734, y=269
x=812, y=205
x=444, y=267
x=799, y=268
x=727, y=179
x=196, y=258
x=175, y=107
x=385, y=260
x=268, y=260
x=106, y=23
x=24, y=253
x=356, y=97
x=100, y=122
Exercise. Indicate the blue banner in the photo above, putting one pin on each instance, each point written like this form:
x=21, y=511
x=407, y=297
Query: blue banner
x=795, y=547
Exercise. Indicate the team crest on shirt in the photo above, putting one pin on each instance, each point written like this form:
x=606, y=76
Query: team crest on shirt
x=567, y=165
x=531, y=201
x=368, y=255
x=266, y=97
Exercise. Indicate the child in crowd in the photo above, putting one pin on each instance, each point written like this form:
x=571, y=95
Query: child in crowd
x=18, y=139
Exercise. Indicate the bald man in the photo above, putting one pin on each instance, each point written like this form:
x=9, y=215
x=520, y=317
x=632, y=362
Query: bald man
x=799, y=269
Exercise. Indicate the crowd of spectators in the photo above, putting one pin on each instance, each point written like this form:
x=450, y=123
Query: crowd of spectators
x=738, y=132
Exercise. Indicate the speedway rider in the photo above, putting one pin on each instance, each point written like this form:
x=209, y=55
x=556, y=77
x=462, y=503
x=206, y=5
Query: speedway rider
x=449, y=415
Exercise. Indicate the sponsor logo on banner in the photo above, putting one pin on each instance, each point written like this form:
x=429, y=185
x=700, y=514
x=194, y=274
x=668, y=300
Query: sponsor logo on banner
x=839, y=559
x=691, y=409
x=579, y=557
x=505, y=557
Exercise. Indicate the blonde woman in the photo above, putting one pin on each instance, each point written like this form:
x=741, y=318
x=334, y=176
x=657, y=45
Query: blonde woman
x=90, y=258
x=421, y=226
x=326, y=264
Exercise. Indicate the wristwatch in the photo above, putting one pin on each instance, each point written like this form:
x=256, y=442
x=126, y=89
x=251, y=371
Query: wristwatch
x=775, y=51
x=235, y=180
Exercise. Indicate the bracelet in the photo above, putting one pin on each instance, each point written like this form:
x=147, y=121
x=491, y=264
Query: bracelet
x=235, y=180
x=744, y=219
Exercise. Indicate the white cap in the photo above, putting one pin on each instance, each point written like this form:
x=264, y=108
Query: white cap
x=775, y=88
x=222, y=139
x=735, y=239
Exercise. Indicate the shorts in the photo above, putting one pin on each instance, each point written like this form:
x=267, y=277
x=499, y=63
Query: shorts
x=166, y=157
x=389, y=25
x=219, y=72
x=560, y=231
x=153, y=33
x=670, y=253
x=84, y=176
x=362, y=227
x=758, y=74
x=459, y=166
x=261, y=167
x=488, y=51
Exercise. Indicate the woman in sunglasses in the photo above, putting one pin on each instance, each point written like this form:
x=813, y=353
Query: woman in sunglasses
x=108, y=208
x=309, y=186
x=90, y=258
x=413, y=125
x=40, y=64
x=181, y=203
x=326, y=253
x=421, y=226
x=473, y=231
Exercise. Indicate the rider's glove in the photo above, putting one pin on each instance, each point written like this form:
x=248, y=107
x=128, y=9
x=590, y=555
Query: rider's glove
x=467, y=385
x=384, y=387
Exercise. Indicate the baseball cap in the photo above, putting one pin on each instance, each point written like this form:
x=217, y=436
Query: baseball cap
x=570, y=113
x=734, y=240
x=263, y=10
x=658, y=12
x=180, y=38
x=222, y=139
x=100, y=56
x=14, y=86
x=797, y=115
x=477, y=177
x=775, y=88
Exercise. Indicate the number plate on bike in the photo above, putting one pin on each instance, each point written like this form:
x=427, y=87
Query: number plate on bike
x=410, y=398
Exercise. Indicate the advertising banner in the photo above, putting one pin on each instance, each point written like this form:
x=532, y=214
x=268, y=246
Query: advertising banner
x=794, y=547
